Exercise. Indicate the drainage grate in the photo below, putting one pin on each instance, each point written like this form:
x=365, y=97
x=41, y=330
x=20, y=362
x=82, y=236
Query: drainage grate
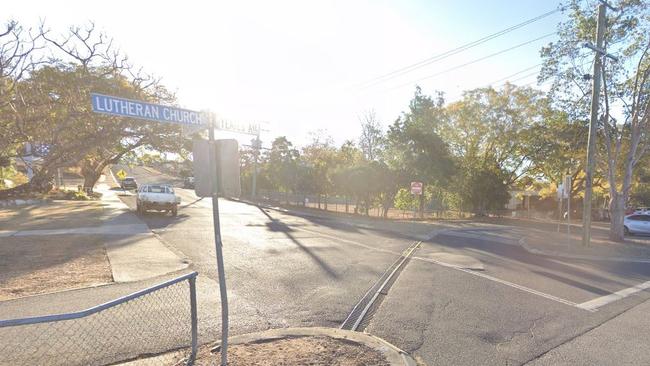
x=366, y=307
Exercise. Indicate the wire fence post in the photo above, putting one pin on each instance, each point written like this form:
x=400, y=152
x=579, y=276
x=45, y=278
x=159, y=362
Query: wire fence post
x=195, y=322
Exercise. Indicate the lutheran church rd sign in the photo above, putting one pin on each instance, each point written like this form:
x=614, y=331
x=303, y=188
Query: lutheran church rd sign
x=123, y=107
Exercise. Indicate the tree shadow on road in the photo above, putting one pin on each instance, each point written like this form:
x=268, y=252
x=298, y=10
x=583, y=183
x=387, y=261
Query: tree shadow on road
x=521, y=256
x=276, y=225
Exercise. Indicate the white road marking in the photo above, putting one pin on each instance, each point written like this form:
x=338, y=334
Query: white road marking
x=452, y=266
x=593, y=305
x=503, y=282
x=481, y=235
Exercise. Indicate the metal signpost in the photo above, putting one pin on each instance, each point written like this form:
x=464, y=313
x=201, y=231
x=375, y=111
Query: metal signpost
x=416, y=189
x=560, y=195
x=122, y=107
x=567, y=195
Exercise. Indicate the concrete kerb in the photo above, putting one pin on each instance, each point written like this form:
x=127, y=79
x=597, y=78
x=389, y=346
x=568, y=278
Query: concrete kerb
x=394, y=355
x=553, y=253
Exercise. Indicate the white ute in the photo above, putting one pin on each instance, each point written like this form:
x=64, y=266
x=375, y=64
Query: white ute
x=160, y=197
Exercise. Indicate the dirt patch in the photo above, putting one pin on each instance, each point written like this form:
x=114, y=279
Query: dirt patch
x=33, y=265
x=309, y=350
x=54, y=215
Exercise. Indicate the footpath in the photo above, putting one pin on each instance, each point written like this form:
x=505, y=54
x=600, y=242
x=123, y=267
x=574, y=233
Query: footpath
x=622, y=340
x=65, y=245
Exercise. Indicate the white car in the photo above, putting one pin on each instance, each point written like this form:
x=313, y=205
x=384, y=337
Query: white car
x=160, y=197
x=642, y=210
x=637, y=223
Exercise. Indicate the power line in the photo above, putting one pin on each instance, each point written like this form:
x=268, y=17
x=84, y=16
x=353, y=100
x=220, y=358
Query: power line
x=475, y=61
x=520, y=78
x=454, y=51
x=506, y=78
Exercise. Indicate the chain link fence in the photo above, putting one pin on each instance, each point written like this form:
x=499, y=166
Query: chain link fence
x=344, y=204
x=158, y=319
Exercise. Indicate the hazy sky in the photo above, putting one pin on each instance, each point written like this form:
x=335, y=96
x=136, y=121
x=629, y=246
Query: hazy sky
x=298, y=64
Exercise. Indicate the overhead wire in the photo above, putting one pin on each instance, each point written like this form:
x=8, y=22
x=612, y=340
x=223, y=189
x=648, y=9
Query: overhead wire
x=475, y=60
x=453, y=51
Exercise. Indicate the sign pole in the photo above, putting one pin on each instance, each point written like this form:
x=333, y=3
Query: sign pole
x=218, y=247
x=256, y=152
x=560, y=194
x=567, y=190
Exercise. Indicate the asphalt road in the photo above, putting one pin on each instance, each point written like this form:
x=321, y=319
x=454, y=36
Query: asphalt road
x=469, y=296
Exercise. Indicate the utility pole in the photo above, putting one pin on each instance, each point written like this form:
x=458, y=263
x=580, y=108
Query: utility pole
x=593, y=120
x=257, y=144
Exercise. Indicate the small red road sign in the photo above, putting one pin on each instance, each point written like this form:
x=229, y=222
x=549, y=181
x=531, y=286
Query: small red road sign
x=416, y=187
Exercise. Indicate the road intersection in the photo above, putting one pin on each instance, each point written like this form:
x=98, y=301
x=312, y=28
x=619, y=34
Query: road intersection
x=469, y=295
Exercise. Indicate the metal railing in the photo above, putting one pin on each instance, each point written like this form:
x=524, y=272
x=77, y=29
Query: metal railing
x=159, y=319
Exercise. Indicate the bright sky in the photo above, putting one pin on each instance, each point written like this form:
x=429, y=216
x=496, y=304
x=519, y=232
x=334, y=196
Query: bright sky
x=298, y=64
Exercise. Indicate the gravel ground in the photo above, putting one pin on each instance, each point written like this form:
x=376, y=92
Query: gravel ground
x=315, y=351
x=33, y=265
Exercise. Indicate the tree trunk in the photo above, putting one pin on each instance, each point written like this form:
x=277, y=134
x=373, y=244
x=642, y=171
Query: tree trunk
x=90, y=178
x=91, y=173
x=616, y=215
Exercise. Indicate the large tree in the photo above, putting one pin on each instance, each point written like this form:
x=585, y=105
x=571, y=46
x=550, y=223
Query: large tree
x=624, y=119
x=372, y=137
x=414, y=147
x=489, y=126
x=18, y=57
x=50, y=107
x=282, y=164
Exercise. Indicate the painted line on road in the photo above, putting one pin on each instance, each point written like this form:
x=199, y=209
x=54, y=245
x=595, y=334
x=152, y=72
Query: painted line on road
x=482, y=236
x=503, y=282
x=593, y=305
x=452, y=266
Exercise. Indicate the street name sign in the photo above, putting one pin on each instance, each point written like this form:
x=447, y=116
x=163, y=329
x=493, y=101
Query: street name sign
x=116, y=106
x=251, y=128
x=416, y=188
x=122, y=107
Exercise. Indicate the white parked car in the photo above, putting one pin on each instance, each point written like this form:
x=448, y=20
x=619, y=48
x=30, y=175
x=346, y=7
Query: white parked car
x=642, y=210
x=160, y=197
x=637, y=223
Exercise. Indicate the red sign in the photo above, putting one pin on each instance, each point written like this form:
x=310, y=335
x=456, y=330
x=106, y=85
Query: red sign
x=416, y=187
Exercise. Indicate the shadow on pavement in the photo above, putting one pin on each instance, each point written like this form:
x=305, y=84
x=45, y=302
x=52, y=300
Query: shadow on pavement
x=276, y=225
x=520, y=255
